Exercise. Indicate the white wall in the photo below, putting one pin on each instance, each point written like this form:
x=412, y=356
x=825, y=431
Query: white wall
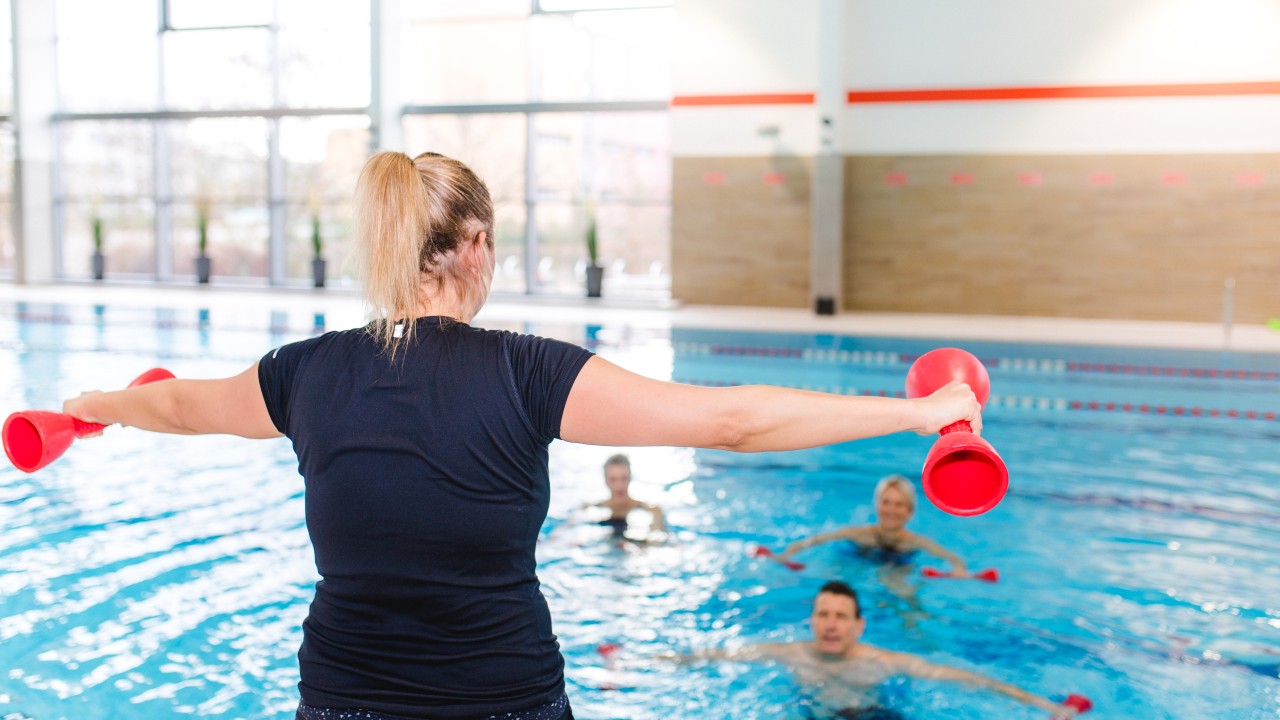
x=745, y=47
x=978, y=43
x=933, y=44
x=736, y=47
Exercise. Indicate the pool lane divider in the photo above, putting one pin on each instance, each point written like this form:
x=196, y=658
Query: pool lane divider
x=857, y=357
x=1038, y=365
x=1035, y=403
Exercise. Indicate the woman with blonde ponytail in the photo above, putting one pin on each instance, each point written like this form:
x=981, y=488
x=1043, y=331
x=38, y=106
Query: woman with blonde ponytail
x=423, y=444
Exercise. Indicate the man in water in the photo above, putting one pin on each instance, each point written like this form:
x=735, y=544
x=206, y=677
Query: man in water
x=845, y=671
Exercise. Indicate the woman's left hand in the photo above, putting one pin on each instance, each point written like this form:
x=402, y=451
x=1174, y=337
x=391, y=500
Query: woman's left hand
x=949, y=404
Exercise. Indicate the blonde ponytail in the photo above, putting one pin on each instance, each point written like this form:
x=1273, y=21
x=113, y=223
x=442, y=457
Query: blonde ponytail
x=411, y=215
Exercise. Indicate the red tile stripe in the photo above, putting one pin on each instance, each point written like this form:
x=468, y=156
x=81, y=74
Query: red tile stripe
x=992, y=94
x=756, y=99
x=1062, y=92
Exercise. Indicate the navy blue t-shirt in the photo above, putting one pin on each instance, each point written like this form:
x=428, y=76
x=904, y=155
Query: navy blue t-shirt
x=426, y=485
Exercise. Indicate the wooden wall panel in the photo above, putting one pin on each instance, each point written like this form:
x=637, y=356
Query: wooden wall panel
x=1142, y=237
x=740, y=231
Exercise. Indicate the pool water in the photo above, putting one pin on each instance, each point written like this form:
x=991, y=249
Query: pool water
x=146, y=576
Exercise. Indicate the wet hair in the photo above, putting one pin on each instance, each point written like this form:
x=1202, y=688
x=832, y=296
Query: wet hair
x=902, y=484
x=411, y=217
x=618, y=459
x=838, y=587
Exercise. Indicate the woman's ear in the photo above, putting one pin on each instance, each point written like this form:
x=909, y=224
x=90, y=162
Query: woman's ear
x=478, y=253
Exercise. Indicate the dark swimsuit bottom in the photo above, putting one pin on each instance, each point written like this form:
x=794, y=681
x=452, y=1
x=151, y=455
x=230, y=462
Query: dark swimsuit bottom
x=558, y=710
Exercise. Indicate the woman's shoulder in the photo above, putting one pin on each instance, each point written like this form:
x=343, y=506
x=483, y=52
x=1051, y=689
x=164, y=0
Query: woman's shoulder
x=533, y=347
x=305, y=346
x=911, y=540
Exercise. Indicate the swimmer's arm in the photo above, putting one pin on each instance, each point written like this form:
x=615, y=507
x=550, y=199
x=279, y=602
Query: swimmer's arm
x=231, y=406
x=760, y=651
x=698, y=656
x=659, y=519
x=804, y=543
x=921, y=668
x=958, y=566
x=612, y=406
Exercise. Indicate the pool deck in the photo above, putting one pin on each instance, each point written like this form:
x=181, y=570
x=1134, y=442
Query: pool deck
x=343, y=308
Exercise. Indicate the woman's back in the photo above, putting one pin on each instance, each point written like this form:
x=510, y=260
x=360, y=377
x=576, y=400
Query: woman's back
x=426, y=487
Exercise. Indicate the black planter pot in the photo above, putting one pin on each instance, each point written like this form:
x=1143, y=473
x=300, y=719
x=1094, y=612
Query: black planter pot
x=595, y=278
x=202, y=269
x=317, y=271
x=99, y=265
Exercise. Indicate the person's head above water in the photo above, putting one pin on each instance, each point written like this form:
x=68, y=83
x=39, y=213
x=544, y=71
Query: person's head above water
x=837, y=621
x=425, y=236
x=617, y=475
x=895, y=501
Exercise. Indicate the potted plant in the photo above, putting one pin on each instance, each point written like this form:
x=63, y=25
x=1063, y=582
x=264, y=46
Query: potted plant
x=99, y=260
x=203, y=266
x=317, y=247
x=595, y=273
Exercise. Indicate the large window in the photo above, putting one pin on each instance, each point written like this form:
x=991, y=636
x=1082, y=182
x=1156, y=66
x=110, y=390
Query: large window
x=219, y=165
x=562, y=109
x=255, y=111
x=616, y=55
x=617, y=165
x=7, y=248
x=492, y=144
x=322, y=157
x=99, y=44
x=258, y=112
x=6, y=142
x=107, y=172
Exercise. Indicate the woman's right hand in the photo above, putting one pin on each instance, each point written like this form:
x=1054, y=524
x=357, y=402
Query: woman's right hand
x=949, y=404
x=76, y=408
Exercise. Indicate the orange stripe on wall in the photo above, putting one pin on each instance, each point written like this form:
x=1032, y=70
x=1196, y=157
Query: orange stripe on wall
x=858, y=97
x=763, y=99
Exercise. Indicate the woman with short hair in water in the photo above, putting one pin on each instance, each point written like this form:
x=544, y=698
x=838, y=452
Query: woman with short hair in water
x=887, y=540
x=617, y=476
x=422, y=441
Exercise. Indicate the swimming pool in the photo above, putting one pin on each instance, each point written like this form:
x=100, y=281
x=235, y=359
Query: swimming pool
x=146, y=576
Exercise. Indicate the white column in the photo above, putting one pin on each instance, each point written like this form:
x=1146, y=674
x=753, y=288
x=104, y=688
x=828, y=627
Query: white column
x=826, y=198
x=387, y=130
x=35, y=100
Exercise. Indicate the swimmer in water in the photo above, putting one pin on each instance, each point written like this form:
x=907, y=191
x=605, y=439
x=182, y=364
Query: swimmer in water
x=617, y=476
x=844, y=672
x=888, y=540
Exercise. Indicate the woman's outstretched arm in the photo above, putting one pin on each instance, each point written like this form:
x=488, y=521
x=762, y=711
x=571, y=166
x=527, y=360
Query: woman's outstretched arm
x=804, y=543
x=612, y=406
x=934, y=548
x=232, y=406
